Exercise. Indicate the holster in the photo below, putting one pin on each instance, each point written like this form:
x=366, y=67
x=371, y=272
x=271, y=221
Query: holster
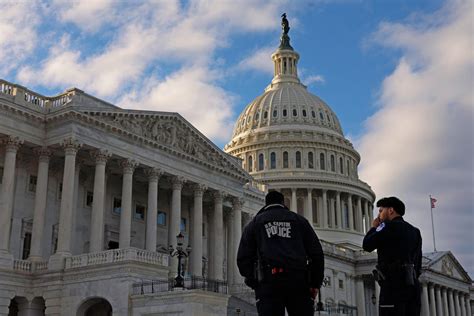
x=409, y=274
x=379, y=276
x=259, y=272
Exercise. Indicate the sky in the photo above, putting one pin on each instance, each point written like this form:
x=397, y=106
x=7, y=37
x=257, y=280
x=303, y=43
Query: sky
x=398, y=73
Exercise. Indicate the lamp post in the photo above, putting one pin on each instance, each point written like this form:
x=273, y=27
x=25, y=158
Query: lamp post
x=319, y=305
x=180, y=253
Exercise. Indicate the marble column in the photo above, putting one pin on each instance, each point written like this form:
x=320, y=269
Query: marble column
x=217, y=242
x=71, y=146
x=324, y=213
x=360, y=226
x=445, y=302
x=360, y=297
x=439, y=301
x=333, y=213
x=128, y=167
x=309, y=208
x=153, y=175
x=457, y=308
x=377, y=295
x=237, y=204
x=432, y=300
x=468, y=305
x=196, y=236
x=462, y=303
x=39, y=212
x=366, y=216
x=338, y=210
x=351, y=212
x=425, y=310
x=175, y=219
x=451, y=302
x=6, y=201
x=294, y=201
x=100, y=158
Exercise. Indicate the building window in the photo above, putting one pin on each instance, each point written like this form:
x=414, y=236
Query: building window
x=32, y=183
x=322, y=162
x=310, y=160
x=341, y=165
x=275, y=113
x=89, y=198
x=348, y=168
x=315, y=211
x=329, y=118
x=285, y=113
x=203, y=229
x=113, y=245
x=250, y=161
x=260, y=162
x=328, y=279
x=26, y=246
x=1, y=174
x=265, y=114
x=333, y=164
x=321, y=116
x=182, y=225
x=139, y=212
x=60, y=190
x=341, y=284
x=295, y=113
x=272, y=160
x=304, y=113
x=313, y=114
x=298, y=159
x=161, y=219
x=257, y=116
x=117, y=206
x=285, y=159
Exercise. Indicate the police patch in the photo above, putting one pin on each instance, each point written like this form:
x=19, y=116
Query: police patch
x=380, y=227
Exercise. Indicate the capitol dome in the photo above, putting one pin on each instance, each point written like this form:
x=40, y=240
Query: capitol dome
x=292, y=141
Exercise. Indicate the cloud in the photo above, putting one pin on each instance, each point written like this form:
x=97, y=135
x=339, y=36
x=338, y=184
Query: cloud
x=312, y=79
x=259, y=60
x=87, y=15
x=190, y=92
x=420, y=140
x=18, y=36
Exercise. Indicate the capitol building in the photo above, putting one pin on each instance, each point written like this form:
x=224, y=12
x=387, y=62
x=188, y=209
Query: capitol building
x=93, y=197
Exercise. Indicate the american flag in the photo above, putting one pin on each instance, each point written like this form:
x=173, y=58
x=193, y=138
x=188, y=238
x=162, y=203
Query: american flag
x=433, y=201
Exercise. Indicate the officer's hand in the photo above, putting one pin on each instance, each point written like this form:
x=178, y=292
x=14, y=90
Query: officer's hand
x=313, y=292
x=376, y=222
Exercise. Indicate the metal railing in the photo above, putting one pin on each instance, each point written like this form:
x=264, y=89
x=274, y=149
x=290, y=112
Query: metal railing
x=190, y=283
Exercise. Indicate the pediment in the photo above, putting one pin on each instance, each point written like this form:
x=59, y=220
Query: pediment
x=445, y=263
x=172, y=131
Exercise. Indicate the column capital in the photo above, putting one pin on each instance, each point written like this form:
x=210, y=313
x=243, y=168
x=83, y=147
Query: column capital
x=100, y=156
x=198, y=189
x=128, y=165
x=44, y=153
x=12, y=143
x=238, y=202
x=218, y=195
x=71, y=145
x=177, y=182
x=153, y=174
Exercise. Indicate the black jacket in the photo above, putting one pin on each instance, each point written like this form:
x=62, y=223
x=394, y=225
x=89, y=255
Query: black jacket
x=283, y=239
x=395, y=241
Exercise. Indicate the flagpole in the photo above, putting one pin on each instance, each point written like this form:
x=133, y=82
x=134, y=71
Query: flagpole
x=432, y=223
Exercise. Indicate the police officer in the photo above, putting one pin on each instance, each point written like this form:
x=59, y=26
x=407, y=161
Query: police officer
x=398, y=247
x=281, y=258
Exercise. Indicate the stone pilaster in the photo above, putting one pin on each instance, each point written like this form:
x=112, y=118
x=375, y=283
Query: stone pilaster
x=175, y=218
x=196, y=237
x=128, y=167
x=360, y=297
x=12, y=144
x=39, y=212
x=100, y=158
x=153, y=175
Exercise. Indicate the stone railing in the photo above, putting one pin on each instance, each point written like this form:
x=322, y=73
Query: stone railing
x=27, y=97
x=116, y=255
x=26, y=266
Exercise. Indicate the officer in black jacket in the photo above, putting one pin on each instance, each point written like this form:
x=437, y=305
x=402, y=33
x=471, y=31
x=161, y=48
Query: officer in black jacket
x=281, y=258
x=398, y=247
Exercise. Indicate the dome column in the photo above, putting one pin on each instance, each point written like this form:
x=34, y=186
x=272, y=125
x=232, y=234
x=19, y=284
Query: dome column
x=338, y=210
x=351, y=212
x=294, y=201
x=324, y=217
x=360, y=225
x=309, y=208
x=333, y=213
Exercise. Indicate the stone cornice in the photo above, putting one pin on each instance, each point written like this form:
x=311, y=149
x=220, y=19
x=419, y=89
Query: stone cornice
x=213, y=159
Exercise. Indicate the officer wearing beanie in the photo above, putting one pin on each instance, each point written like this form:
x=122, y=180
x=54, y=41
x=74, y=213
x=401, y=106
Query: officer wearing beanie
x=281, y=258
x=398, y=247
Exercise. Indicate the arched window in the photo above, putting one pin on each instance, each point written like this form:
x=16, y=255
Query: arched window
x=285, y=159
x=257, y=115
x=304, y=113
x=265, y=114
x=285, y=113
x=321, y=116
x=341, y=166
x=275, y=113
x=348, y=169
x=298, y=159
x=272, y=160
x=310, y=160
x=250, y=163
x=333, y=164
x=260, y=162
x=295, y=113
x=322, y=162
x=313, y=114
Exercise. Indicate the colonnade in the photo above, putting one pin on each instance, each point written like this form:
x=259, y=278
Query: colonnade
x=335, y=209
x=438, y=300
x=100, y=158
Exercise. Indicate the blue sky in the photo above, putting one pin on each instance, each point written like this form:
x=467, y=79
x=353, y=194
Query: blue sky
x=398, y=73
